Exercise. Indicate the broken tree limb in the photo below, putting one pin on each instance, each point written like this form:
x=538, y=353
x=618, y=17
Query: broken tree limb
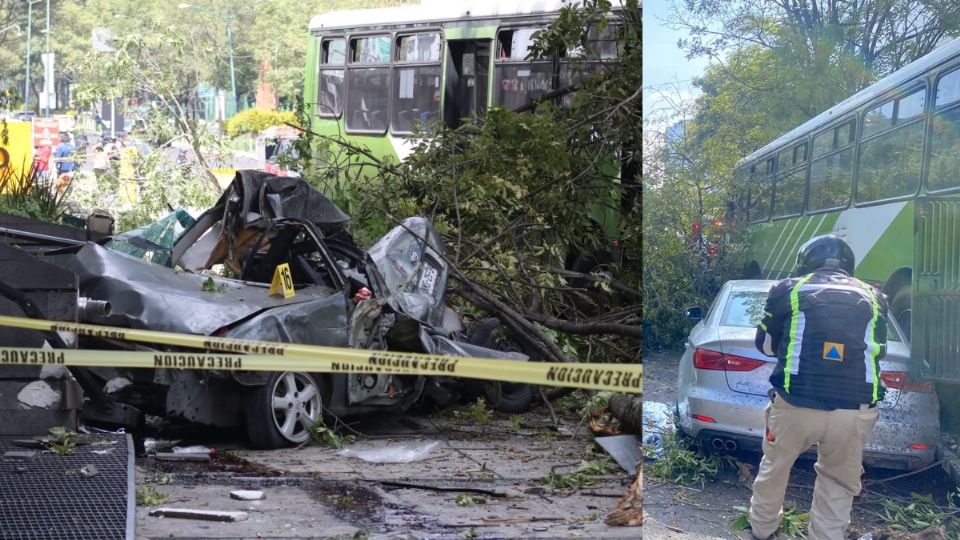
x=522, y=329
x=205, y=515
x=629, y=511
x=569, y=327
x=629, y=410
x=406, y=485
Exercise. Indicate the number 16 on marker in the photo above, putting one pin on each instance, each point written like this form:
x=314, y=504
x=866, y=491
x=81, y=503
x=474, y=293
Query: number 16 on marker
x=282, y=281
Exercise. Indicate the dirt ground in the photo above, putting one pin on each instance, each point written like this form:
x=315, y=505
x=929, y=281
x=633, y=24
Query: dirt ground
x=673, y=511
x=480, y=481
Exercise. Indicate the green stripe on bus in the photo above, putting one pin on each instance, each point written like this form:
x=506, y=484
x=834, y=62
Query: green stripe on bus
x=792, y=336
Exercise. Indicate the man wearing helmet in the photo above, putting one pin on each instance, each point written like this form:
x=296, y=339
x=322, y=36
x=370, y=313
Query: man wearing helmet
x=828, y=332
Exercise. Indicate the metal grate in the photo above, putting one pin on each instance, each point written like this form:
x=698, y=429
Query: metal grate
x=46, y=496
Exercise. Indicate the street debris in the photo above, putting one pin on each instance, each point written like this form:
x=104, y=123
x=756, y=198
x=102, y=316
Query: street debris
x=629, y=510
x=404, y=453
x=246, y=495
x=657, y=423
x=406, y=485
x=20, y=454
x=205, y=515
x=88, y=471
x=172, y=456
x=624, y=449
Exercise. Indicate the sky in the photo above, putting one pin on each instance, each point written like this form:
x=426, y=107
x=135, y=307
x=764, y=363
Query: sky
x=666, y=71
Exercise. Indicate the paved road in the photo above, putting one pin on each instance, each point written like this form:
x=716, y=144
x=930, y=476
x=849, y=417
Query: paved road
x=315, y=492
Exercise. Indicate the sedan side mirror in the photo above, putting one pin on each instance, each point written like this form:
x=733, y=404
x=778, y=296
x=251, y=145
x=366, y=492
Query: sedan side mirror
x=694, y=313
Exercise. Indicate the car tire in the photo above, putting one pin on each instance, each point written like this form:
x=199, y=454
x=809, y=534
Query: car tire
x=901, y=308
x=505, y=397
x=281, y=412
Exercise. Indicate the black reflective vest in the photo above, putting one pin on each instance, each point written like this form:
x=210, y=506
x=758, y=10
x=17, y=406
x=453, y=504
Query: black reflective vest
x=828, y=332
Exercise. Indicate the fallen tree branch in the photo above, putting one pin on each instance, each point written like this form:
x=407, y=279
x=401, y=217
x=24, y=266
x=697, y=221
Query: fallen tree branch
x=628, y=330
x=406, y=485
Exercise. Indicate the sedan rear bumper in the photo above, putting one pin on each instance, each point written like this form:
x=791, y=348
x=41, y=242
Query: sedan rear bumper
x=741, y=423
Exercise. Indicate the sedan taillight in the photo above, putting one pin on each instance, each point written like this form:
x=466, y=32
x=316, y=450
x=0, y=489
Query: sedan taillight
x=716, y=361
x=899, y=380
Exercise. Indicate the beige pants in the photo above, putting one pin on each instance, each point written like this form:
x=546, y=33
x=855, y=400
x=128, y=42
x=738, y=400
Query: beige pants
x=841, y=435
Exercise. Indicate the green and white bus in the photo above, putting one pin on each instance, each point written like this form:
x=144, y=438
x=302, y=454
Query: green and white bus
x=881, y=169
x=374, y=74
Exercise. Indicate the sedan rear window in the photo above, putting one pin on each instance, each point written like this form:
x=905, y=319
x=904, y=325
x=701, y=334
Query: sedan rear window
x=744, y=308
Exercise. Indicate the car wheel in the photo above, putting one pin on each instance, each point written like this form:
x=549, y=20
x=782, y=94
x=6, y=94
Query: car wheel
x=281, y=412
x=509, y=397
x=505, y=397
x=901, y=308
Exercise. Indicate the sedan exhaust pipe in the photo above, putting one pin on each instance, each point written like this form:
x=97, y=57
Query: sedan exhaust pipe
x=721, y=443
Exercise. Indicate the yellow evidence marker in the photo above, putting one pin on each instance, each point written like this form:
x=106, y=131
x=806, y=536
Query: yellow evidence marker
x=282, y=281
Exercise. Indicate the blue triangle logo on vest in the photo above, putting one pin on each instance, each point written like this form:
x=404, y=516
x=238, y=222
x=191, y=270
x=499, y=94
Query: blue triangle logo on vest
x=833, y=351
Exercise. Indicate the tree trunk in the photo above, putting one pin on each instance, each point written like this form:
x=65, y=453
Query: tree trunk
x=628, y=408
x=629, y=510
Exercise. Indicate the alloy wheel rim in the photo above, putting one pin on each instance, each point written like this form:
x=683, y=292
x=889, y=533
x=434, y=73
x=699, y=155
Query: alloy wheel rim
x=295, y=401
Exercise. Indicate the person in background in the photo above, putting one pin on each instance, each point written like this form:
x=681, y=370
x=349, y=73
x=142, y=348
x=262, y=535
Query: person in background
x=100, y=159
x=41, y=161
x=62, y=154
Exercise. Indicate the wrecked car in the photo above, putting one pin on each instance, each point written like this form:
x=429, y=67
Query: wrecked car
x=389, y=297
x=723, y=383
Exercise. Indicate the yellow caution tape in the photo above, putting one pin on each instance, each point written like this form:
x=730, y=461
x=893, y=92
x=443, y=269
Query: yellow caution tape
x=273, y=356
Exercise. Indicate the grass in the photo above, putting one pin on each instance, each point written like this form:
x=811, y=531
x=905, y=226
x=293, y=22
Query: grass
x=920, y=513
x=687, y=465
x=794, y=524
x=476, y=413
x=148, y=496
x=326, y=436
x=584, y=475
x=61, y=441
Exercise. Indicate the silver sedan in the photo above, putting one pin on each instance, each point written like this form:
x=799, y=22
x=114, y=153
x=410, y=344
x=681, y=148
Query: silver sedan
x=723, y=384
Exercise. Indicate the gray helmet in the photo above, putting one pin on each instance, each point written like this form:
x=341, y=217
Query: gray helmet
x=825, y=251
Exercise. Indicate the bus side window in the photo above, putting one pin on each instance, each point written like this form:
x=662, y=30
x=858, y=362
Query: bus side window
x=831, y=168
x=517, y=81
x=890, y=162
x=579, y=64
x=330, y=86
x=369, y=87
x=416, y=81
x=944, y=172
x=790, y=181
x=761, y=180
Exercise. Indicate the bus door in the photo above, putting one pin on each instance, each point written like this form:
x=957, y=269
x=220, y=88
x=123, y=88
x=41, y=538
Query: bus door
x=467, y=75
x=935, y=339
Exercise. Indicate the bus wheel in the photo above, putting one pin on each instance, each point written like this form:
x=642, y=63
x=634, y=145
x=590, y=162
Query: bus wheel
x=901, y=308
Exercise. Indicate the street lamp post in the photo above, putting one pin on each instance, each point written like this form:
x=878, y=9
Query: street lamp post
x=228, y=18
x=46, y=49
x=26, y=86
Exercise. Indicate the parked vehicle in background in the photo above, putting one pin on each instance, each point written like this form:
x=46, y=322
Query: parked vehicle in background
x=275, y=148
x=723, y=383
